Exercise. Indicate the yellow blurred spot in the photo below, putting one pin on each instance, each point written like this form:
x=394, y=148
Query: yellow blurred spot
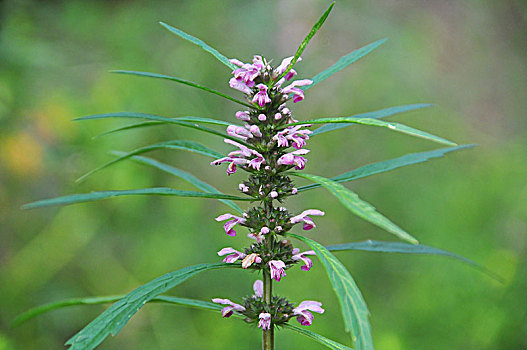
x=390, y=341
x=21, y=154
x=504, y=262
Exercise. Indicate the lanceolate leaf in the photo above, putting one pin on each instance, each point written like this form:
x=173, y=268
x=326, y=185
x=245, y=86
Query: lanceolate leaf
x=189, y=122
x=182, y=175
x=115, y=317
x=382, y=113
x=381, y=167
x=307, y=39
x=200, y=43
x=176, y=144
x=322, y=340
x=182, y=81
x=405, y=248
x=357, y=206
x=203, y=305
x=95, y=196
x=354, y=309
x=39, y=310
x=345, y=61
x=376, y=122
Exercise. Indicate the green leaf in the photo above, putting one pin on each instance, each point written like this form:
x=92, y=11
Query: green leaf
x=345, y=61
x=322, y=340
x=381, y=167
x=31, y=313
x=115, y=317
x=95, y=196
x=189, y=122
x=39, y=310
x=405, y=248
x=200, y=43
x=202, y=305
x=183, y=175
x=357, y=206
x=382, y=113
x=354, y=309
x=182, y=81
x=306, y=40
x=176, y=144
x=376, y=122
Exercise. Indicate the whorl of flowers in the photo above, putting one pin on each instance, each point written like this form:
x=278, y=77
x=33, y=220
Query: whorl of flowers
x=267, y=148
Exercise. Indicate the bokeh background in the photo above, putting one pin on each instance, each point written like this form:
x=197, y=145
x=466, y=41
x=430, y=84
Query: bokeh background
x=466, y=57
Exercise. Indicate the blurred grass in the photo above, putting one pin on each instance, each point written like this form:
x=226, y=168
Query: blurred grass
x=468, y=58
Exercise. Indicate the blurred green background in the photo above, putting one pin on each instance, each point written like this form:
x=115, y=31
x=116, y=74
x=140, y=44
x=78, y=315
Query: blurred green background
x=466, y=57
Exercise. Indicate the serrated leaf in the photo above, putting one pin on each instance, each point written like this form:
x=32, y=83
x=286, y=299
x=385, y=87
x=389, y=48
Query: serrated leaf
x=306, y=40
x=354, y=309
x=317, y=337
x=345, y=61
x=95, y=196
x=115, y=317
x=357, y=206
x=189, y=122
x=376, y=122
x=379, y=114
x=182, y=175
x=381, y=167
x=200, y=43
x=176, y=144
x=405, y=248
x=182, y=81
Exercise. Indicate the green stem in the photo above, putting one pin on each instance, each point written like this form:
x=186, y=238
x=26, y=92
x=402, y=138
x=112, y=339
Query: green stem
x=268, y=335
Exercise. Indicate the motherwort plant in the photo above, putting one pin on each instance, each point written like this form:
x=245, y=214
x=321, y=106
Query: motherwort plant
x=270, y=145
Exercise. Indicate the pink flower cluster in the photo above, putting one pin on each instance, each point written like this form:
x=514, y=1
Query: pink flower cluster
x=244, y=156
x=245, y=77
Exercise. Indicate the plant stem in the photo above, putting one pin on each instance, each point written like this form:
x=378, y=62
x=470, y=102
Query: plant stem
x=268, y=335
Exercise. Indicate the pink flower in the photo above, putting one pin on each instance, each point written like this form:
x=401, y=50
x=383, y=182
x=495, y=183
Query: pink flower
x=254, y=129
x=294, y=190
x=231, y=169
x=283, y=66
x=264, y=230
x=297, y=92
x=238, y=131
x=243, y=115
x=228, y=226
x=293, y=133
x=258, y=289
x=265, y=321
x=261, y=96
x=308, y=222
x=239, y=85
x=233, y=256
x=302, y=311
x=236, y=62
x=243, y=188
x=277, y=269
x=228, y=310
x=294, y=158
x=262, y=117
x=240, y=157
x=258, y=238
x=301, y=256
x=273, y=194
x=258, y=62
x=255, y=163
